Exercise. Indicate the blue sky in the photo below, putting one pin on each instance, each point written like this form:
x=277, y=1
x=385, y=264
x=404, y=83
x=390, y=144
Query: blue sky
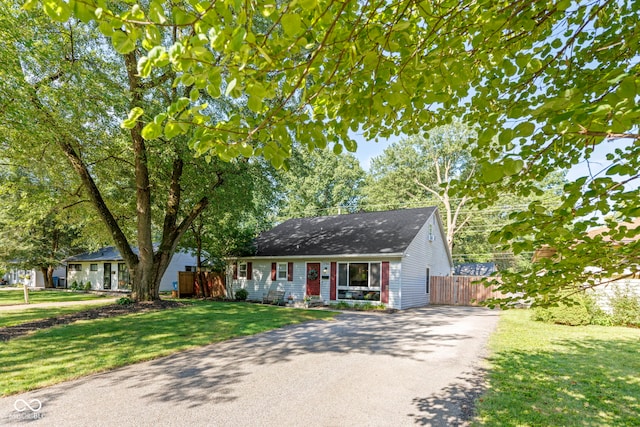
x=370, y=149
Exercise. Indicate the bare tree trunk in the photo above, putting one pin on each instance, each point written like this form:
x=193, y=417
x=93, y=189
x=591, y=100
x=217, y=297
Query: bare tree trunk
x=47, y=275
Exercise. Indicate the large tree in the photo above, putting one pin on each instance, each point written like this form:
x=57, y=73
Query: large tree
x=67, y=87
x=550, y=79
x=423, y=169
x=320, y=182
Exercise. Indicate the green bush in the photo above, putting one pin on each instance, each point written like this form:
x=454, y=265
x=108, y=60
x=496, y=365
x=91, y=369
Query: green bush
x=583, y=310
x=124, y=301
x=578, y=310
x=74, y=286
x=242, y=294
x=625, y=307
x=87, y=286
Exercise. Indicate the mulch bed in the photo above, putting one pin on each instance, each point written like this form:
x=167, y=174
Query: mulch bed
x=113, y=310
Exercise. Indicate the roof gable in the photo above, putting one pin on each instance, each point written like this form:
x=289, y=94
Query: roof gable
x=388, y=232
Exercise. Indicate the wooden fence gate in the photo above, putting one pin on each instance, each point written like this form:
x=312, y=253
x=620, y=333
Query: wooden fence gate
x=459, y=290
x=190, y=286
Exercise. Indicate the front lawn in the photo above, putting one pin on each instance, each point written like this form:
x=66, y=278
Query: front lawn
x=62, y=353
x=17, y=297
x=551, y=375
x=16, y=317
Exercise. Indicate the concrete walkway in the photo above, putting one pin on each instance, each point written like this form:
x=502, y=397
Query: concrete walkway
x=417, y=367
x=57, y=304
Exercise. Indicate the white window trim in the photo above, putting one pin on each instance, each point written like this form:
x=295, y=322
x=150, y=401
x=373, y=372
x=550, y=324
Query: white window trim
x=242, y=266
x=368, y=287
x=286, y=271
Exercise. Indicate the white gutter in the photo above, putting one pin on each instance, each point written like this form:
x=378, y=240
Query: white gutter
x=342, y=256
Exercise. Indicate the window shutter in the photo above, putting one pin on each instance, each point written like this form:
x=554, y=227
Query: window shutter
x=249, y=271
x=290, y=272
x=385, y=282
x=332, y=282
x=235, y=271
x=274, y=267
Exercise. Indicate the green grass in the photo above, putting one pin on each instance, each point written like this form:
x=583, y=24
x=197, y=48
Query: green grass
x=62, y=353
x=552, y=375
x=17, y=297
x=16, y=317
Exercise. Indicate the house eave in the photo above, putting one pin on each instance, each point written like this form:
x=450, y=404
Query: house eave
x=328, y=256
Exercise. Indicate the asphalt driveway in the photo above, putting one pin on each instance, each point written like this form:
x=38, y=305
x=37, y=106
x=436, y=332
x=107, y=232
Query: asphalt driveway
x=417, y=367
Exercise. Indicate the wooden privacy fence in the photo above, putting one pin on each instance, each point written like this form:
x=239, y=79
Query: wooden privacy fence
x=189, y=284
x=459, y=290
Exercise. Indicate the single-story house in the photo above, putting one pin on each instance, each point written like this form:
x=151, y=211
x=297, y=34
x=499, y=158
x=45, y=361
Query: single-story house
x=34, y=278
x=105, y=269
x=475, y=269
x=379, y=257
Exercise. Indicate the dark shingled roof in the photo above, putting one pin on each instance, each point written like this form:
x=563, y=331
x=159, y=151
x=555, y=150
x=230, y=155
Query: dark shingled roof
x=109, y=253
x=360, y=233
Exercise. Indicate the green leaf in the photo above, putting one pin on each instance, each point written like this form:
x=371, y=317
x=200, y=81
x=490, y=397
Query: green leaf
x=230, y=86
x=524, y=129
x=308, y=4
x=123, y=42
x=132, y=118
x=350, y=145
x=172, y=129
x=238, y=38
x=491, y=173
x=213, y=90
x=145, y=65
x=151, y=131
x=255, y=103
x=246, y=150
x=82, y=11
x=57, y=10
x=512, y=167
x=156, y=13
x=291, y=24
x=180, y=17
x=194, y=95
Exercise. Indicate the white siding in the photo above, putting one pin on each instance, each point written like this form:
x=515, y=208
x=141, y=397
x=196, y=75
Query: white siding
x=395, y=284
x=261, y=282
x=603, y=294
x=261, y=279
x=422, y=253
x=178, y=263
x=96, y=278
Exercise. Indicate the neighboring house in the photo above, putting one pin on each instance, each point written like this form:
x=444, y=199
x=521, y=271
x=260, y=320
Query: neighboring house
x=378, y=257
x=629, y=284
x=105, y=269
x=475, y=269
x=34, y=277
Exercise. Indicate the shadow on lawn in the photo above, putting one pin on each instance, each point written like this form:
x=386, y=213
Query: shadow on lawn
x=588, y=381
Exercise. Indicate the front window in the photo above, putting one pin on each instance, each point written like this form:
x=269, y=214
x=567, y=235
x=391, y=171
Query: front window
x=93, y=267
x=242, y=270
x=282, y=270
x=124, y=279
x=359, y=281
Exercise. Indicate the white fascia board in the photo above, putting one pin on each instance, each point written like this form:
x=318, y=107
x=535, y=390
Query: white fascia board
x=342, y=256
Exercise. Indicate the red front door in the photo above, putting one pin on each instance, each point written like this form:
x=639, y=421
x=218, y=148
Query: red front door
x=313, y=278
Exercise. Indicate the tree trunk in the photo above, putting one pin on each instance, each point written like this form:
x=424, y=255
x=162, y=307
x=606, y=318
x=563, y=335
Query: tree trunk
x=47, y=274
